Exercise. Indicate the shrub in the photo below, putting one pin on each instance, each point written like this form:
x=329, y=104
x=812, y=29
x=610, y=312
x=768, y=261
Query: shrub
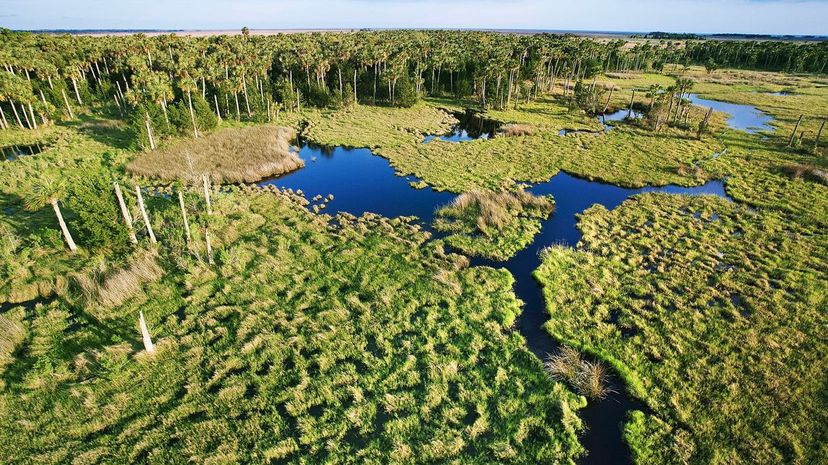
x=96, y=219
x=405, y=95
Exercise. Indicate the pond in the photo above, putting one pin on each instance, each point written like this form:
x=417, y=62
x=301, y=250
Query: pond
x=619, y=115
x=13, y=152
x=471, y=125
x=362, y=182
x=743, y=117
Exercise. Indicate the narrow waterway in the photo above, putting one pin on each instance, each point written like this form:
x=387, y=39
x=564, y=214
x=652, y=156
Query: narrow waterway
x=361, y=182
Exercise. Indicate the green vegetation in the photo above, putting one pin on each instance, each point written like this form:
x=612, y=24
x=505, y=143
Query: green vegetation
x=410, y=359
x=494, y=225
x=710, y=311
x=289, y=336
x=245, y=154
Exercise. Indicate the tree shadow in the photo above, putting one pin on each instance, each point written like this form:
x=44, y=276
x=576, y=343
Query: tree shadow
x=112, y=132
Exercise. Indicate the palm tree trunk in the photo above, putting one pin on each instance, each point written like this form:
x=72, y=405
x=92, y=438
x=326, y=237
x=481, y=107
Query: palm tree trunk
x=209, y=247
x=819, y=133
x=355, y=86
x=238, y=111
x=184, y=216
x=3, y=118
x=632, y=100
x=606, y=105
x=148, y=346
x=206, y=184
x=31, y=112
x=77, y=94
x=339, y=72
x=144, y=214
x=218, y=113
x=149, y=132
x=66, y=101
x=16, y=115
x=793, y=133
x=246, y=101
x=63, y=228
x=192, y=114
x=125, y=213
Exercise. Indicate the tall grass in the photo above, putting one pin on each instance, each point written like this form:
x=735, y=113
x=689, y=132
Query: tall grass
x=231, y=155
x=492, y=211
x=809, y=172
x=587, y=378
x=111, y=287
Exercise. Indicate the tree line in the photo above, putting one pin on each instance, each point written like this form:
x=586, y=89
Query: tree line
x=172, y=84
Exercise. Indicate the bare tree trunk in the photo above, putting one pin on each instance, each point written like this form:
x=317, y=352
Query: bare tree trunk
x=192, y=114
x=25, y=116
x=125, y=213
x=144, y=214
x=209, y=247
x=606, y=106
x=246, y=101
x=63, y=228
x=632, y=99
x=184, y=216
x=148, y=346
x=819, y=133
x=793, y=133
x=3, y=117
x=238, y=111
x=218, y=112
x=66, y=101
x=31, y=112
x=355, y=86
x=16, y=115
x=206, y=184
x=77, y=94
x=339, y=71
x=703, y=124
x=149, y=132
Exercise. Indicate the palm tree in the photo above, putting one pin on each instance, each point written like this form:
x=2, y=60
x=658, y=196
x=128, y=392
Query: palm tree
x=47, y=191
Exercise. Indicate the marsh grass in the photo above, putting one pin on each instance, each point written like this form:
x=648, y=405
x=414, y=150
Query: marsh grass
x=809, y=172
x=588, y=378
x=111, y=286
x=232, y=155
x=515, y=129
x=493, y=224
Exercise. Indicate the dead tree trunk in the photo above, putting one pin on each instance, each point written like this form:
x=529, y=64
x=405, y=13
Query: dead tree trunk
x=184, y=216
x=144, y=214
x=206, y=183
x=125, y=213
x=148, y=346
x=793, y=133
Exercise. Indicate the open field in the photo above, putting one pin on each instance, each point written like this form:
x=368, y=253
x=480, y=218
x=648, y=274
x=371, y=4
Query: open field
x=230, y=155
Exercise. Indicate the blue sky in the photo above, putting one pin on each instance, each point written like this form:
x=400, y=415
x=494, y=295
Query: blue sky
x=757, y=16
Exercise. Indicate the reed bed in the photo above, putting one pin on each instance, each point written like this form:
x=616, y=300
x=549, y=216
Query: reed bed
x=237, y=155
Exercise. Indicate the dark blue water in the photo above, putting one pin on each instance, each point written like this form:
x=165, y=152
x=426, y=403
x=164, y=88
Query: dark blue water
x=362, y=182
x=619, y=115
x=743, y=117
x=13, y=152
x=456, y=135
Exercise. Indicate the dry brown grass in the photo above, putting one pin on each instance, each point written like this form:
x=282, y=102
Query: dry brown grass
x=588, y=378
x=230, y=155
x=497, y=209
x=111, y=287
x=510, y=130
x=809, y=172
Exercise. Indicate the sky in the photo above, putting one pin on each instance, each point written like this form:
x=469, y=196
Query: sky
x=803, y=17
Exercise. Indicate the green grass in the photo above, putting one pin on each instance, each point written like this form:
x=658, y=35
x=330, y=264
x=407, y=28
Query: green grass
x=358, y=344
x=711, y=312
